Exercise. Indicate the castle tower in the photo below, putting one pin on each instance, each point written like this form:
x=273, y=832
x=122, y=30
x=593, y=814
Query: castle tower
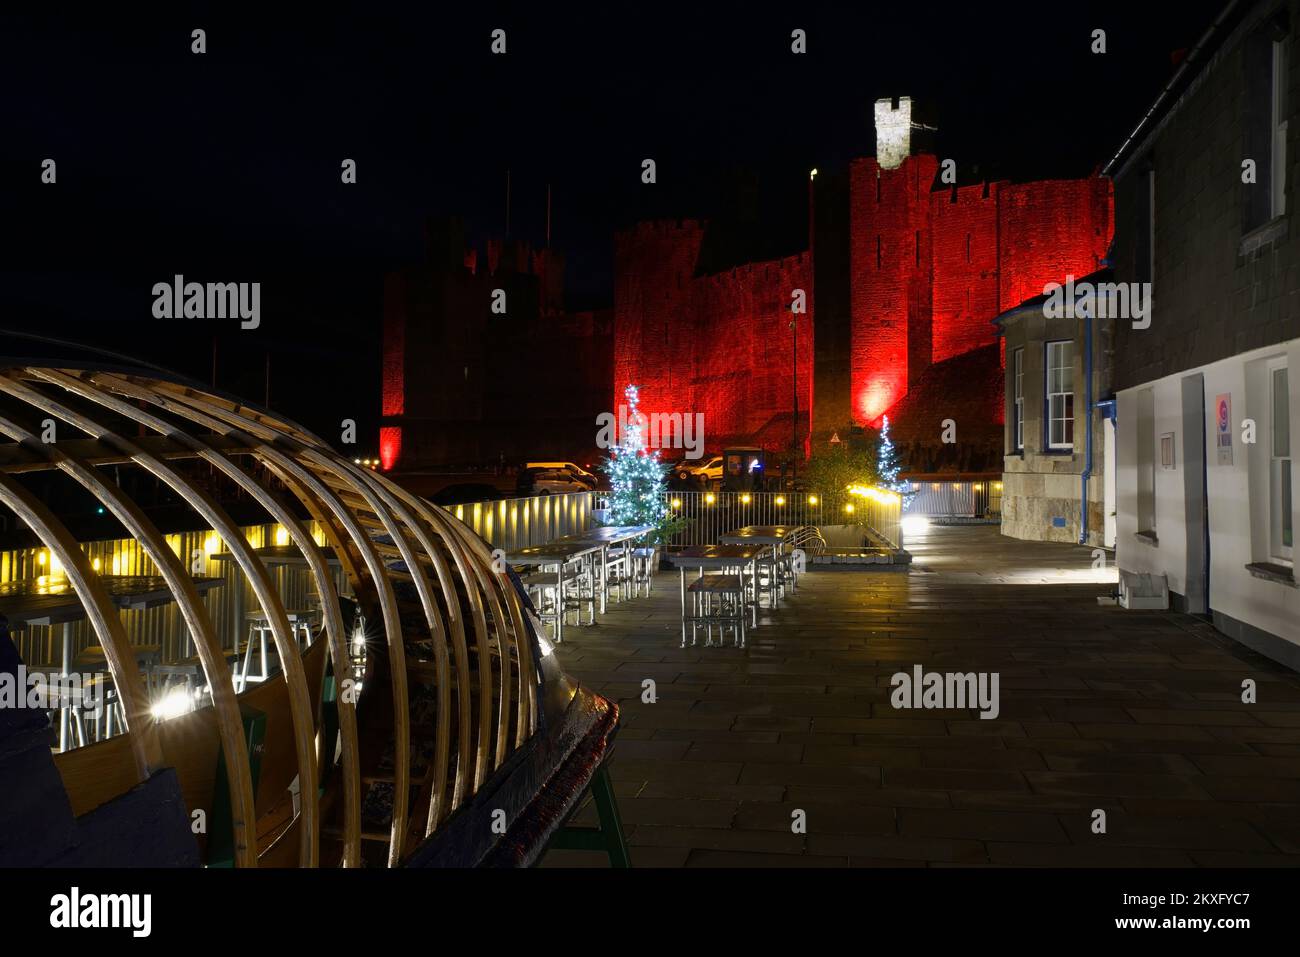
x=890, y=279
x=893, y=131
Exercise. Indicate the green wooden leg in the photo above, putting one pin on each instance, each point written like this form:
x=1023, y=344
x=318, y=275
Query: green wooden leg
x=329, y=730
x=607, y=835
x=611, y=826
x=221, y=823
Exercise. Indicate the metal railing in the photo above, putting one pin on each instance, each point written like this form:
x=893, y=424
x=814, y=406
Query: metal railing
x=711, y=514
x=937, y=497
x=518, y=522
x=41, y=645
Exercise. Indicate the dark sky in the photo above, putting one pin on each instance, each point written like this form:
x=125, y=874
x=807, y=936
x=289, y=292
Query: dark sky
x=225, y=167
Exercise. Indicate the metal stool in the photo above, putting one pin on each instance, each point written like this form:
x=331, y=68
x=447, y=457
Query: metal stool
x=645, y=562
x=720, y=600
x=259, y=627
x=543, y=591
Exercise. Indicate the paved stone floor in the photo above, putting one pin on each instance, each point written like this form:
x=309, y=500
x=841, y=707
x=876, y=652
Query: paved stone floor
x=1136, y=713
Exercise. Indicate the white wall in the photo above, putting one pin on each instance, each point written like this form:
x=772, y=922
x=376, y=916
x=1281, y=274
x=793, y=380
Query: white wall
x=1267, y=605
x=1169, y=557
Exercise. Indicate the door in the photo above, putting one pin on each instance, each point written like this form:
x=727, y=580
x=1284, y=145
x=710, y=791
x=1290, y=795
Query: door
x=1196, y=506
x=1108, y=482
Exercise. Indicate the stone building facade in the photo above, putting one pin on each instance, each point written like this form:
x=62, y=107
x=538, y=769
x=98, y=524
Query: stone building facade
x=1058, y=469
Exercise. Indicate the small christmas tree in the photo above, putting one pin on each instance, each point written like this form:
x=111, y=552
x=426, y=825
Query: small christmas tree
x=888, y=466
x=636, y=476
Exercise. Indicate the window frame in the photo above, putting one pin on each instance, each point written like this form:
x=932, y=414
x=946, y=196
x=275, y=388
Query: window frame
x=1281, y=470
x=1018, y=399
x=1066, y=443
x=1277, y=129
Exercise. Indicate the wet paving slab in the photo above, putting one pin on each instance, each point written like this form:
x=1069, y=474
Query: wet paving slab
x=1137, y=714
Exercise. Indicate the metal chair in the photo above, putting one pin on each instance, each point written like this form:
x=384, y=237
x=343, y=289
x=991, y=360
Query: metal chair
x=804, y=539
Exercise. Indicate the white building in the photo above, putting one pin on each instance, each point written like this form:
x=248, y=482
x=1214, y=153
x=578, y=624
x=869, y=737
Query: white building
x=1208, y=404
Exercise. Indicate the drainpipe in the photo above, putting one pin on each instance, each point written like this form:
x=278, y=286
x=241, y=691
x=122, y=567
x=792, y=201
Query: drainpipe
x=1087, y=406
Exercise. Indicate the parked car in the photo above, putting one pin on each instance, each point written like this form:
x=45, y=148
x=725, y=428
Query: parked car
x=463, y=493
x=707, y=471
x=534, y=481
x=577, y=471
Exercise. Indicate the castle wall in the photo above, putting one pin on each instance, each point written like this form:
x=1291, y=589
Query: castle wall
x=930, y=270
x=966, y=245
x=720, y=345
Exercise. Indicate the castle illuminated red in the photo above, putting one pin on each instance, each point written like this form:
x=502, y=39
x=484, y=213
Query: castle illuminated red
x=902, y=275
x=905, y=274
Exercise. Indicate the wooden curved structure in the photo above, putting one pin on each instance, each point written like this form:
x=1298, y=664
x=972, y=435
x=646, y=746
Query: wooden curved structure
x=462, y=713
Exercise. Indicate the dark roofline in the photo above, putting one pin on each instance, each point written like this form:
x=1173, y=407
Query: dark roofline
x=1172, y=95
x=19, y=348
x=1104, y=274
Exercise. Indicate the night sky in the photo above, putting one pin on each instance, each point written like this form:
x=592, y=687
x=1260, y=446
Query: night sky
x=225, y=167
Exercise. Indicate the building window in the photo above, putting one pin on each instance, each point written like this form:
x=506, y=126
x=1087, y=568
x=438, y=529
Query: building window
x=1144, y=266
x=1277, y=129
x=1265, y=121
x=1018, y=421
x=1060, y=394
x=1146, y=463
x=1281, y=532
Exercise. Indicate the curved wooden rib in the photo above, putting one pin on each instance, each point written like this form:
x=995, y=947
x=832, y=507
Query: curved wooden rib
x=442, y=668
x=468, y=574
x=378, y=574
x=103, y=616
x=484, y=653
x=334, y=629
x=409, y=521
x=437, y=808
x=452, y=527
x=301, y=708
x=195, y=614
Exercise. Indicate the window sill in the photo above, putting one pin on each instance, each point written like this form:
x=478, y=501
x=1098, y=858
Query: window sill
x=1147, y=538
x=1063, y=450
x=1261, y=236
x=1272, y=572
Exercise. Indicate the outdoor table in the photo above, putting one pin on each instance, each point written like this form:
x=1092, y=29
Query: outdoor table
x=30, y=603
x=274, y=556
x=774, y=535
x=558, y=555
x=608, y=536
x=719, y=557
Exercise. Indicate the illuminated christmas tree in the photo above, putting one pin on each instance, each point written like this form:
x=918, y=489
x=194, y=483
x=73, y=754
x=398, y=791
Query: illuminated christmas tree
x=888, y=466
x=636, y=476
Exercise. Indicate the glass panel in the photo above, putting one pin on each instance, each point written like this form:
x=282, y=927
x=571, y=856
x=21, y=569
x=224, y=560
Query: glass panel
x=1281, y=414
x=1286, y=503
